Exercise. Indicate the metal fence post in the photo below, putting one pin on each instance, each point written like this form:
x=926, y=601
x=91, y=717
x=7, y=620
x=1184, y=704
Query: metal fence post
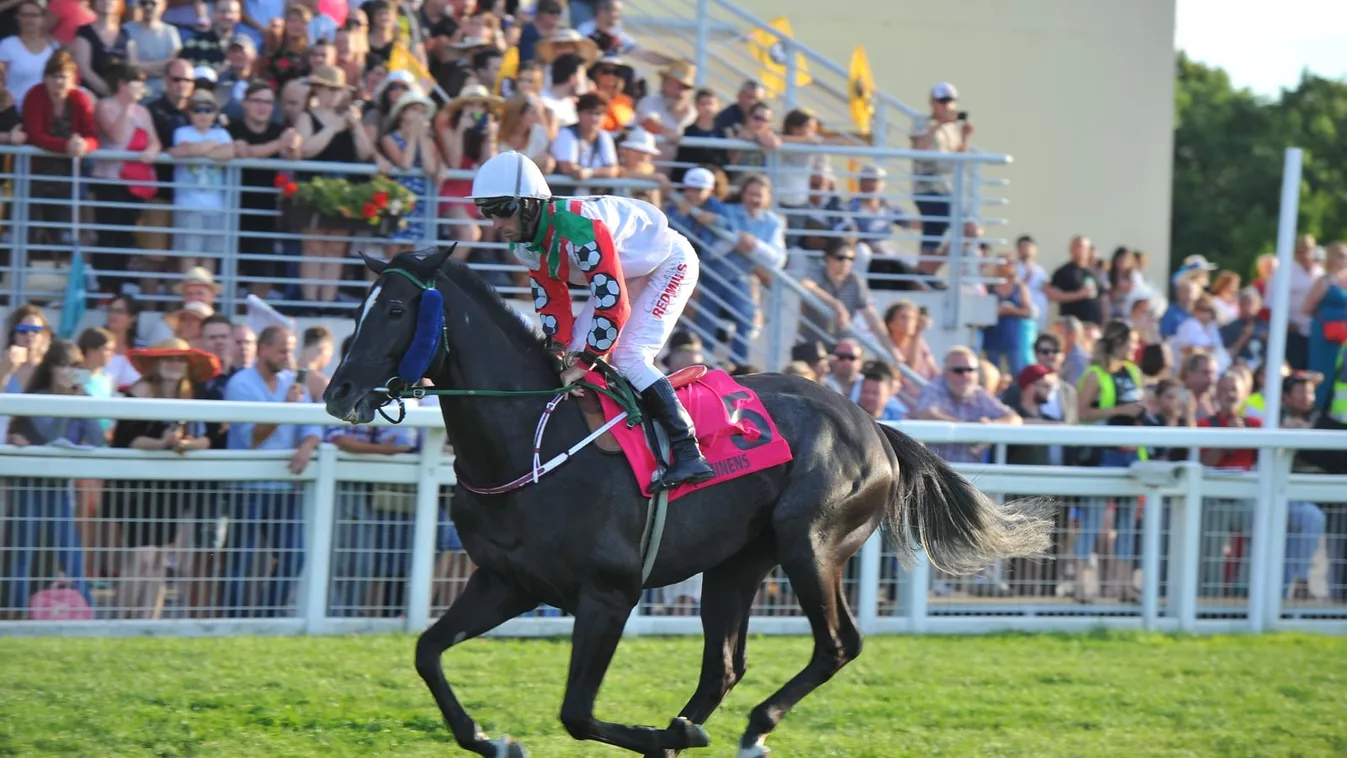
x=703, y=39
x=229, y=266
x=776, y=341
x=18, y=262
x=1275, y=573
x=918, y=589
x=1185, y=550
x=792, y=70
x=1151, y=524
x=868, y=612
x=423, y=533
x=313, y=600
x=954, y=296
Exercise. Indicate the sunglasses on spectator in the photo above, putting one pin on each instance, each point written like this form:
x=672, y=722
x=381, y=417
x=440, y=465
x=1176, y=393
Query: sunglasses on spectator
x=200, y=109
x=606, y=70
x=760, y=117
x=29, y=328
x=962, y=370
x=844, y=356
x=260, y=100
x=1046, y=351
x=843, y=257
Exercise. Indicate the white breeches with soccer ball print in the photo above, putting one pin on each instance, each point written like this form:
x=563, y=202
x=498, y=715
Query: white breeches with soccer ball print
x=657, y=301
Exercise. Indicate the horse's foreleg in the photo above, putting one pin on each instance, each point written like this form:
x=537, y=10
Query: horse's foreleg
x=599, y=619
x=487, y=602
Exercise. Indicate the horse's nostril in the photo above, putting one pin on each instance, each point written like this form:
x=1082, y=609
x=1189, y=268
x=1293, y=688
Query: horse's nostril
x=342, y=390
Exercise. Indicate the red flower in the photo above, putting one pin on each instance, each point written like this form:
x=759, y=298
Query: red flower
x=281, y=180
x=370, y=210
x=381, y=199
x=290, y=189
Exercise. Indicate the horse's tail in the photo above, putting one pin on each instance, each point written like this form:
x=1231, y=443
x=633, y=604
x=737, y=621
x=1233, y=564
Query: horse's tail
x=961, y=529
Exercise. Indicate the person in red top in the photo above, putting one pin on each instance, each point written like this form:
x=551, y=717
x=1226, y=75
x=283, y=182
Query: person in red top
x=60, y=119
x=57, y=116
x=1231, y=392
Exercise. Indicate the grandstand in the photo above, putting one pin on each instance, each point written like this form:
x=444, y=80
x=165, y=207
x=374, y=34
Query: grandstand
x=209, y=210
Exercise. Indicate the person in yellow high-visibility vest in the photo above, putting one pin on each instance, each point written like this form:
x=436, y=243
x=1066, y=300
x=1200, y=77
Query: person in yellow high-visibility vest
x=1110, y=394
x=1337, y=406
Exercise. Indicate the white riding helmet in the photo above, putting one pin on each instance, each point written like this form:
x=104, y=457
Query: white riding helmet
x=511, y=175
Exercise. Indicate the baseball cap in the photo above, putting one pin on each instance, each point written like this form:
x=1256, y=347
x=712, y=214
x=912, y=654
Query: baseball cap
x=944, y=91
x=205, y=74
x=699, y=178
x=1031, y=374
x=243, y=41
x=873, y=171
x=1191, y=265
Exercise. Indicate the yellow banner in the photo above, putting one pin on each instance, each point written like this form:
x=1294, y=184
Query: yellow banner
x=509, y=68
x=861, y=90
x=403, y=60
x=767, y=48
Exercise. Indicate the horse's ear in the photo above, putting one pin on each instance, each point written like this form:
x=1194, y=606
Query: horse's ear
x=373, y=264
x=435, y=261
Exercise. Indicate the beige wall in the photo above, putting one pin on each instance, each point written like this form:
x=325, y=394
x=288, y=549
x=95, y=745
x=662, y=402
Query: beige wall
x=1079, y=92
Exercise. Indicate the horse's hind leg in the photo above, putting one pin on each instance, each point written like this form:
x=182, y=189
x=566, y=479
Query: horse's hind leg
x=487, y=602
x=817, y=581
x=599, y=619
x=727, y=597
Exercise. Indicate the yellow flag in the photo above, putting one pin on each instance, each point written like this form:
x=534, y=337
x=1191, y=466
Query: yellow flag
x=853, y=168
x=403, y=60
x=767, y=49
x=509, y=68
x=861, y=90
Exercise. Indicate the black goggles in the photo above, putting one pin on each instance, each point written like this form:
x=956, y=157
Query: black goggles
x=498, y=207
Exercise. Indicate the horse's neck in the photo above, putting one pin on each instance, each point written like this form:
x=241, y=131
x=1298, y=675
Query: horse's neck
x=493, y=435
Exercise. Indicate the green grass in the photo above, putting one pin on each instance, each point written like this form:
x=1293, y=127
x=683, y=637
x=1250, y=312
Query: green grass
x=1014, y=695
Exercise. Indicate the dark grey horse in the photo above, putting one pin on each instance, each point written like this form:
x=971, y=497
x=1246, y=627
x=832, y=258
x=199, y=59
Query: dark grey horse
x=572, y=539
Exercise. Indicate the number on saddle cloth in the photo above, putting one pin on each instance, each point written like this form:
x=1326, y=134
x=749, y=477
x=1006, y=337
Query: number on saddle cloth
x=429, y=330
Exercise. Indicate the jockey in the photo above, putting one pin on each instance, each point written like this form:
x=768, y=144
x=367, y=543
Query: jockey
x=640, y=275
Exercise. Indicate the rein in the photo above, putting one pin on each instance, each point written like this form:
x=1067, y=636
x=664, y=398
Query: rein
x=399, y=387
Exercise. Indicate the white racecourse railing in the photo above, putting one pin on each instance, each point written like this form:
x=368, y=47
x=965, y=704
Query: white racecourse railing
x=1181, y=540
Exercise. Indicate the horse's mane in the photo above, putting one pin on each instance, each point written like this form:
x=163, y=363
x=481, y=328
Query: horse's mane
x=502, y=315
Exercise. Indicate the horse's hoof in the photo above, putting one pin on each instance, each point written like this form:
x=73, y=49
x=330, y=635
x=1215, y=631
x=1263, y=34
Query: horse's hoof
x=692, y=735
x=509, y=747
x=757, y=751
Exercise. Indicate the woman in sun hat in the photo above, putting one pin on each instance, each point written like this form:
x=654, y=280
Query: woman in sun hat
x=567, y=41
x=409, y=143
x=468, y=128
x=612, y=77
x=149, y=512
x=636, y=154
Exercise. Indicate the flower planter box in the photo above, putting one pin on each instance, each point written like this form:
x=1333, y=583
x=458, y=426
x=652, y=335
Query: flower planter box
x=297, y=219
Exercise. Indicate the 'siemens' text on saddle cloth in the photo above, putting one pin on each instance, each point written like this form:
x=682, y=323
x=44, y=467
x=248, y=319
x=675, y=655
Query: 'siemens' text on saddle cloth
x=735, y=432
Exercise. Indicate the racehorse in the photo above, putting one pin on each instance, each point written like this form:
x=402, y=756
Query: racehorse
x=572, y=539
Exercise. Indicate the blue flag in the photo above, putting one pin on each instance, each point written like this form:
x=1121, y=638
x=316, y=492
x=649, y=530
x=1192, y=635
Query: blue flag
x=76, y=292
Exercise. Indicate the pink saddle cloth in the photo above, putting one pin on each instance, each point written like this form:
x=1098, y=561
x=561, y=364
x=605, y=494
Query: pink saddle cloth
x=736, y=434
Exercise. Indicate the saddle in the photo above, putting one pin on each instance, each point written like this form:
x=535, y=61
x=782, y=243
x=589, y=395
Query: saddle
x=593, y=409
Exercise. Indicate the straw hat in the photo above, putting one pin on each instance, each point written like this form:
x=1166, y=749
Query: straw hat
x=197, y=275
x=683, y=72
x=473, y=93
x=201, y=366
x=547, y=49
x=328, y=76
x=407, y=100
x=641, y=141
x=196, y=309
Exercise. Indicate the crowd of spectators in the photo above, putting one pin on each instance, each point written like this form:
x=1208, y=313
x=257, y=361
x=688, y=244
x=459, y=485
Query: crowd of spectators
x=420, y=90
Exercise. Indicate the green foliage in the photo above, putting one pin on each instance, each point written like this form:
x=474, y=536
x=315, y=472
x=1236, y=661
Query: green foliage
x=1046, y=696
x=1228, y=151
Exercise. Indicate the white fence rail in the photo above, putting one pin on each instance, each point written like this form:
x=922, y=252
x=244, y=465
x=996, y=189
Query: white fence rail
x=1181, y=564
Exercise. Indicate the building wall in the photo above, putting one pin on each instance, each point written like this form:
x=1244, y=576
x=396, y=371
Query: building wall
x=1079, y=92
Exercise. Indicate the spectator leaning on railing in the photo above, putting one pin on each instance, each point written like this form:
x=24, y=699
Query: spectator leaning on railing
x=956, y=397
x=124, y=124
x=837, y=284
x=59, y=118
x=275, y=505
x=1040, y=397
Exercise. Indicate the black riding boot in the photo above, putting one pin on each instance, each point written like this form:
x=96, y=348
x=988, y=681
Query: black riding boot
x=688, y=465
